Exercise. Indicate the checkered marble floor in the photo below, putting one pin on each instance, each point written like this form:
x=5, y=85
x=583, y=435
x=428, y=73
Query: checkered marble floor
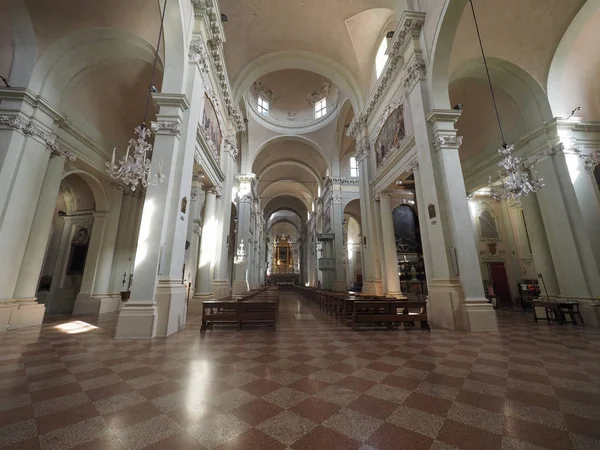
x=313, y=384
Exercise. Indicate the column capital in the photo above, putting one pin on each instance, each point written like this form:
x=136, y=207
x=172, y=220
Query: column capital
x=446, y=141
x=413, y=166
x=364, y=150
x=197, y=228
x=415, y=71
x=245, y=177
x=118, y=187
x=172, y=127
x=212, y=190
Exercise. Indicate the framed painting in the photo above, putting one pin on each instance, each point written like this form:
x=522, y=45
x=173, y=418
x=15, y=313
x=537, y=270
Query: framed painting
x=390, y=135
x=210, y=124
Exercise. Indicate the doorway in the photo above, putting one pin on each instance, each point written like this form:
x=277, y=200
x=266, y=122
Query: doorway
x=501, y=285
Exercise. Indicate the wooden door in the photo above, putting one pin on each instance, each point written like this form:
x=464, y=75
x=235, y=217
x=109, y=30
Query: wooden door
x=501, y=286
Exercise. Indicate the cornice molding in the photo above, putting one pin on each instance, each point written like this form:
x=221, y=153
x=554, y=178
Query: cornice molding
x=33, y=100
x=176, y=100
x=31, y=129
x=209, y=11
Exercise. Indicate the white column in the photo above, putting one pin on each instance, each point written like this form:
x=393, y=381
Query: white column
x=337, y=225
x=203, y=284
x=103, y=299
x=195, y=230
x=371, y=282
x=423, y=223
x=93, y=258
x=151, y=311
x=389, y=246
x=220, y=282
x=28, y=312
x=464, y=255
x=574, y=262
x=540, y=250
x=122, y=255
x=24, y=162
x=588, y=197
x=245, y=203
x=40, y=231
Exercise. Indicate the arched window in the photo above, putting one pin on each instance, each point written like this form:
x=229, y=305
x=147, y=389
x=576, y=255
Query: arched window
x=353, y=167
x=263, y=107
x=381, y=57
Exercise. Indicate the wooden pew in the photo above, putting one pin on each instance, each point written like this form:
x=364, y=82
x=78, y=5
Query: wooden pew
x=257, y=306
x=388, y=312
x=219, y=311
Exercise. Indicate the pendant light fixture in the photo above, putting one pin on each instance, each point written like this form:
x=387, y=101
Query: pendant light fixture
x=134, y=169
x=515, y=181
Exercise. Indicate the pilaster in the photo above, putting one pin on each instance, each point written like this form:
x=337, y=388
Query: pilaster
x=159, y=249
x=389, y=246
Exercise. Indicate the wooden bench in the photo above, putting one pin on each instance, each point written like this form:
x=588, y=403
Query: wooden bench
x=220, y=311
x=258, y=311
x=388, y=312
x=258, y=306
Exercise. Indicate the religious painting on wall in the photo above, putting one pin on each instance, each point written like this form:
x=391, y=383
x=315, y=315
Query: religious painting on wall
x=283, y=254
x=406, y=230
x=487, y=227
x=210, y=124
x=392, y=132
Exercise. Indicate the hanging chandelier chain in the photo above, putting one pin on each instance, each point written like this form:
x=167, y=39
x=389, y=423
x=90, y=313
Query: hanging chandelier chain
x=487, y=71
x=160, y=36
x=135, y=170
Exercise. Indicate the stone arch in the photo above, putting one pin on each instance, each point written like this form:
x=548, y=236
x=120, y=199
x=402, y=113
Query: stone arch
x=441, y=50
x=522, y=102
x=81, y=52
x=95, y=185
x=286, y=220
x=303, y=60
x=281, y=138
x=176, y=47
x=25, y=45
x=576, y=65
x=299, y=164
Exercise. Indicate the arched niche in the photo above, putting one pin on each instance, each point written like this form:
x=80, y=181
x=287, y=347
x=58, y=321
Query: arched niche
x=406, y=230
x=574, y=77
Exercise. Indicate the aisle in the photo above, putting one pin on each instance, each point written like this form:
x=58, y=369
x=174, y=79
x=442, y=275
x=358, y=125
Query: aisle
x=312, y=384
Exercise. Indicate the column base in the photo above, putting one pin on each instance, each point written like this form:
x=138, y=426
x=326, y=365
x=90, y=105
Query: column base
x=195, y=305
x=448, y=308
x=21, y=313
x=97, y=305
x=396, y=295
x=221, y=288
x=170, y=299
x=340, y=286
x=372, y=287
x=239, y=287
x=137, y=321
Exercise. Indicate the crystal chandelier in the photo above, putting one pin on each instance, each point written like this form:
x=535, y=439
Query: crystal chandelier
x=592, y=160
x=514, y=182
x=241, y=254
x=135, y=170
